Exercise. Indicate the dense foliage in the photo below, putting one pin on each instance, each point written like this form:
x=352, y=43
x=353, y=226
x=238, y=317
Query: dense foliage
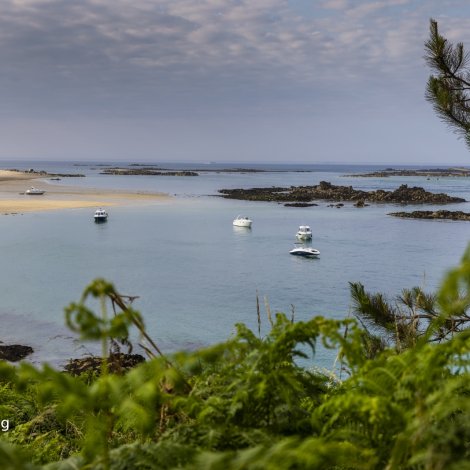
x=247, y=403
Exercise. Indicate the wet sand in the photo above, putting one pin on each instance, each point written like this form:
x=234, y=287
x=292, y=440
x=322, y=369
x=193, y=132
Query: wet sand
x=13, y=199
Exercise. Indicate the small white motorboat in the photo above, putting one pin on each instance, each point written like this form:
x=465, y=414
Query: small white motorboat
x=34, y=192
x=241, y=221
x=305, y=251
x=101, y=215
x=304, y=233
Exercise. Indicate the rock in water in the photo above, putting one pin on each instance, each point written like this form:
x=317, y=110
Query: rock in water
x=14, y=352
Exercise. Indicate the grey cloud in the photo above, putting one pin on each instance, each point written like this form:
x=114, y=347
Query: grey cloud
x=144, y=57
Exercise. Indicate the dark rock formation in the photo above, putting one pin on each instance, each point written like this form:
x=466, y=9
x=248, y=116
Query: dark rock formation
x=118, y=363
x=14, y=352
x=360, y=203
x=146, y=171
x=446, y=215
x=329, y=192
x=300, y=204
x=65, y=175
x=436, y=172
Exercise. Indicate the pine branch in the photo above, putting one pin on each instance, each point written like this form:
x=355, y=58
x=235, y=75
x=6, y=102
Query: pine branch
x=449, y=90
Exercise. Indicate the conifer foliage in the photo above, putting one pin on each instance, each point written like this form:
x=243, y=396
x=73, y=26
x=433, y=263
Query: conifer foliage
x=449, y=89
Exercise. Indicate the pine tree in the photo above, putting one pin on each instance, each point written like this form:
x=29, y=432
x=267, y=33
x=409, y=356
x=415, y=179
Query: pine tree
x=449, y=89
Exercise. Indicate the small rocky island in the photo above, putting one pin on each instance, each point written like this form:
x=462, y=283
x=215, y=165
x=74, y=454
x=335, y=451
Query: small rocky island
x=427, y=172
x=329, y=192
x=443, y=215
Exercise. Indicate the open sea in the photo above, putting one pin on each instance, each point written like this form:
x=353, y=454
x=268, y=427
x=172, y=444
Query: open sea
x=195, y=274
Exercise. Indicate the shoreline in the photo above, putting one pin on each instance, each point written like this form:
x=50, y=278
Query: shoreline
x=13, y=199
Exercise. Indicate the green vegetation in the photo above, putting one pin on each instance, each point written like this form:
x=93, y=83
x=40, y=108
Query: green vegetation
x=449, y=89
x=247, y=403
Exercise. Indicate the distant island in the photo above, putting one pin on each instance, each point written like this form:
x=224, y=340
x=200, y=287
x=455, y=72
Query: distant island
x=443, y=215
x=139, y=169
x=329, y=192
x=146, y=172
x=427, y=172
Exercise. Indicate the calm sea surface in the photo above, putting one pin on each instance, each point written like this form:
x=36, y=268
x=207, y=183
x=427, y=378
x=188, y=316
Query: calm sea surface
x=195, y=274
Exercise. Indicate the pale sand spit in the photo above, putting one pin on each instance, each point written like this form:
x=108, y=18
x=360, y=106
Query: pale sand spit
x=13, y=184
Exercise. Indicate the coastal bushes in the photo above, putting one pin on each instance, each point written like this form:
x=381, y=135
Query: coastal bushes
x=251, y=402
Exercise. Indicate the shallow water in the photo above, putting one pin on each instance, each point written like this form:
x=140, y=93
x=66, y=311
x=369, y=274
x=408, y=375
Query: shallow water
x=196, y=274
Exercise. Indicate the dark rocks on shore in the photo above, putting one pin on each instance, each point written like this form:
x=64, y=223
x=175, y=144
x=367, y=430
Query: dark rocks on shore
x=443, y=215
x=14, y=352
x=330, y=192
x=118, y=363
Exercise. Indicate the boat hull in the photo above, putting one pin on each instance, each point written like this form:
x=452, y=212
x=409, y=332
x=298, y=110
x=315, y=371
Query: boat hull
x=305, y=253
x=34, y=193
x=242, y=223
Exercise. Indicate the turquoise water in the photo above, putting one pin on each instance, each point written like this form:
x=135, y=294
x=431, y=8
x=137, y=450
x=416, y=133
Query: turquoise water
x=196, y=274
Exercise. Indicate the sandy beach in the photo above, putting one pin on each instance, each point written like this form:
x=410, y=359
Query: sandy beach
x=13, y=199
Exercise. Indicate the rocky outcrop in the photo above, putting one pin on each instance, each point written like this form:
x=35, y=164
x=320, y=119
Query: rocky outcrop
x=146, y=171
x=65, y=175
x=445, y=215
x=428, y=172
x=14, y=352
x=300, y=204
x=360, y=203
x=329, y=192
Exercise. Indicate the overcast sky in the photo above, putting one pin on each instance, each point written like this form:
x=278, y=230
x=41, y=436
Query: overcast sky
x=223, y=80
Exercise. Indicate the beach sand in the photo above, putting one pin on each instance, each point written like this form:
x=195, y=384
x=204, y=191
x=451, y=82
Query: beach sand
x=13, y=184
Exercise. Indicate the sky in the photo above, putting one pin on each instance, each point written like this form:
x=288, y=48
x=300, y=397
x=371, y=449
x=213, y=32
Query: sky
x=282, y=81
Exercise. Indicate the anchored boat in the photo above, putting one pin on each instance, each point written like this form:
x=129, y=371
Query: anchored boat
x=305, y=251
x=241, y=221
x=101, y=215
x=304, y=233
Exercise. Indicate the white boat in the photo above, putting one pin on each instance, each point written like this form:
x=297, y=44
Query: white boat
x=307, y=252
x=34, y=192
x=101, y=215
x=241, y=221
x=304, y=233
